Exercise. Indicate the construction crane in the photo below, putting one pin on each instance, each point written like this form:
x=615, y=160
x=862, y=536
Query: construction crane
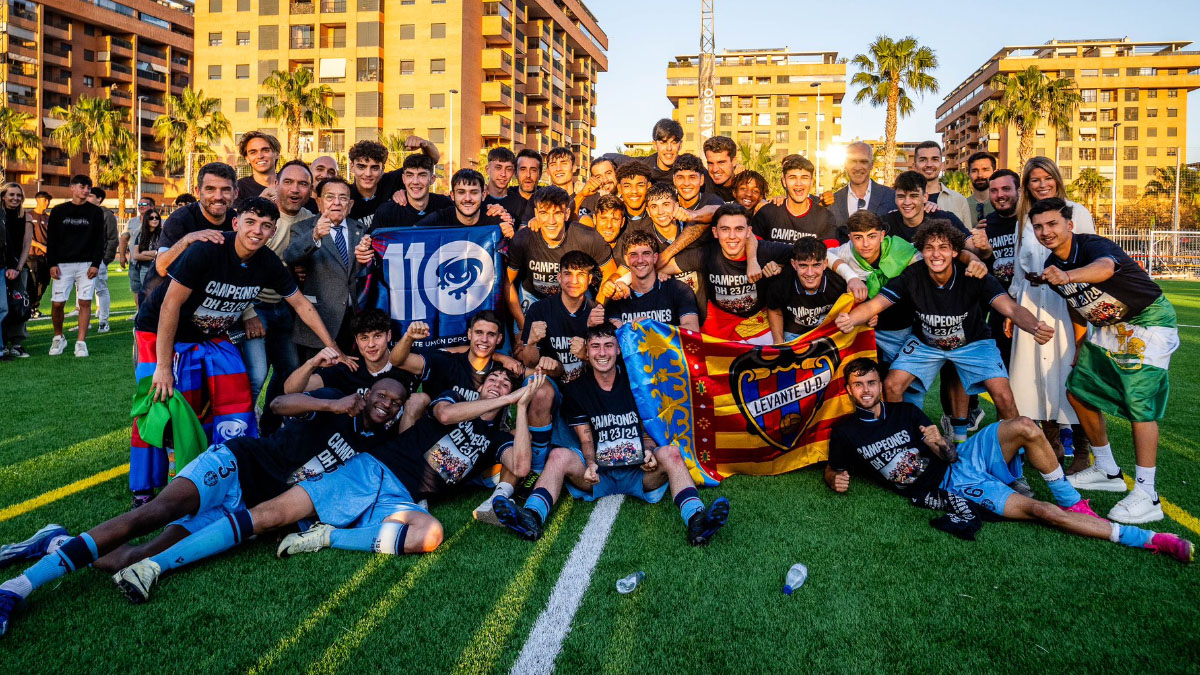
x=707, y=81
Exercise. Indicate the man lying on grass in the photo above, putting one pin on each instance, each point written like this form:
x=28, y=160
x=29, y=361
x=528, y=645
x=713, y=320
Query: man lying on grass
x=897, y=444
x=370, y=503
x=215, y=488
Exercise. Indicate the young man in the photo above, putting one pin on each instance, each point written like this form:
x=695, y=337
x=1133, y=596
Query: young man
x=372, y=331
x=369, y=504
x=181, y=334
x=678, y=229
x=206, y=218
x=800, y=215
x=551, y=322
x=980, y=167
x=501, y=167
x=463, y=372
x=928, y=162
x=39, y=271
x=18, y=245
x=995, y=239
x=562, y=168
x=633, y=180
x=616, y=456
x=602, y=180
x=417, y=176
x=670, y=302
x=910, y=212
x=529, y=172
x=74, y=251
x=261, y=152
x=372, y=186
x=695, y=208
x=737, y=307
x=467, y=190
x=111, y=242
x=948, y=324
x=860, y=191
x=1121, y=368
x=221, y=483
x=807, y=292
x=667, y=136
x=533, y=257
x=720, y=156
x=608, y=220
x=896, y=444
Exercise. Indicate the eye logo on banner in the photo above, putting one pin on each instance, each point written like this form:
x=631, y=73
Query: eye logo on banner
x=460, y=275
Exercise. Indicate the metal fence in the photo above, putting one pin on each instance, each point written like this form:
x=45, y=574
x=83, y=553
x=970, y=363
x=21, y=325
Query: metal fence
x=1164, y=253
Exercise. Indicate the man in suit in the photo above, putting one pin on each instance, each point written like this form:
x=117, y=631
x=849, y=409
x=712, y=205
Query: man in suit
x=861, y=192
x=324, y=246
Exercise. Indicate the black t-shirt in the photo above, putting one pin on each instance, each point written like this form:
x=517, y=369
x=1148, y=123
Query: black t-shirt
x=667, y=302
x=1126, y=294
x=446, y=371
x=777, y=223
x=895, y=223
x=432, y=457
x=190, y=219
x=891, y=447
x=512, y=202
x=391, y=214
x=724, y=192
x=612, y=415
x=75, y=234
x=804, y=310
x=588, y=206
x=247, y=188
x=341, y=378
x=946, y=317
x=302, y=448
x=1002, y=235
x=657, y=175
x=448, y=217
x=536, y=264
x=725, y=282
x=561, y=326
x=222, y=288
x=364, y=208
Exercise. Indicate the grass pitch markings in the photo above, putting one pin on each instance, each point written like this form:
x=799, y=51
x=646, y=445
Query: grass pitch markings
x=481, y=654
x=552, y=626
x=21, y=508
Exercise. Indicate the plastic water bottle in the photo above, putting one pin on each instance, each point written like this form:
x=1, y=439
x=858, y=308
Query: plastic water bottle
x=795, y=578
x=630, y=583
x=1066, y=436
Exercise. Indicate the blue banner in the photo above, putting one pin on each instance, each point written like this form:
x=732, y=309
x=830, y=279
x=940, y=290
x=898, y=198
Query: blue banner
x=439, y=275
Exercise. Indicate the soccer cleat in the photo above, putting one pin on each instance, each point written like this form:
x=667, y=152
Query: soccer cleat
x=1083, y=506
x=704, y=524
x=976, y=416
x=141, y=499
x=1093, y=478
x=103, y=327
x=32, y=548
x=1137, y=507
x=1162, y=542
x=526, y=487
x=10, y=604
x=311, y=540
x=523, y=521
x=58, y=345
x=135, y=581
x=1021, y=487
x=81, y=349
x=484, y=513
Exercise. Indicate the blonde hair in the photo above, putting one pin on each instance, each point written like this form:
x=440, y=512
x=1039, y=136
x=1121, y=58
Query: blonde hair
x=20, y=190
x=1027, y=199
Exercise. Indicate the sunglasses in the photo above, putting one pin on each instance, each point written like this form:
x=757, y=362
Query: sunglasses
x=1034, y=279
x=862, y=203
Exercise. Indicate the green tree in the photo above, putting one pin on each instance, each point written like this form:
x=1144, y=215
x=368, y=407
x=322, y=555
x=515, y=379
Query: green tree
x=395, y=147
x=19, y=142
x=760, y=158
x=1163, y=184
x=1087, y=186
x=121, y=168
x=1027, y=98
x=886, y=77
x=958, y=181
x=91, y=125
x=296, y=102
x=190, y=126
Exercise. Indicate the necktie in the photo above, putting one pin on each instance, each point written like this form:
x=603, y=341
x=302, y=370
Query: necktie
x=340, y=240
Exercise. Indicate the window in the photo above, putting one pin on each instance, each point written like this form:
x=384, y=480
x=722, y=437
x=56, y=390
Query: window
x=1151, y=171
x=89, y=81
x=1151, y=113
x=1107, y=134
x=368, y=69
x=1131, y=153
x=437, y=66
x=408, y=31
x=761, y=137
x=1089, y=72
x=802, y=117
x=1131, y=114
x=241, y=105
x=690, y=119
x=338, y=103
x=268, y=37
x=726, y=119
x=89, y=55
x=214, y=6
x=1108, y=96
x=406, y=101
x=437, y=101
x=437, y=31
x=1087, y=154
x=1151, y=132
x=1130, y=172
x=1139, y=72
x=1151, y=93
x=407, y=67
x=726, y=101
x=1172, y=93
x=745, y=102
x=1089, y=95
x=781, y=119
x=214, y=40
x=214, y=72
x=764, y=119
x=243, y=5
x=724, y=80
x=1131, y=133
x=745, y=120
x=1087, y=116
x=242, y=71
x=1111, y=72
x=302, y=37
x=1171, y=152
x=1152, y=152
x=437, y=135
x=1064, y=154
x=1066, y=73
x=333, y=37
x=781, y=101
x=1172, y=132
x=265, y=68
x=368, y=34
x=1106, y=153
x=1129, y=191
x=1131, y=94
x=268, y=7
x=1172, y=112
x=243, y=37
x=368, y=104
x=764, y=101
x=781, y=136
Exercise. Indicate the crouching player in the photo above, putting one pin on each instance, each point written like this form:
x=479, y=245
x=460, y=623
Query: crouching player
x=898, y=444
x=617, y=457
x=216, y=487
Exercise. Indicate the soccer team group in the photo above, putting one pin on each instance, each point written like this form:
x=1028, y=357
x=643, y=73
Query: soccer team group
x=1010, y=282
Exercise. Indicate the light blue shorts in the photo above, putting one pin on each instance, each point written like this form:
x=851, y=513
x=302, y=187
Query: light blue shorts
x=618, y=480
x=215, y=475
x=976, y=363
x=889, y=342
x=981, y=474
x=360, y=493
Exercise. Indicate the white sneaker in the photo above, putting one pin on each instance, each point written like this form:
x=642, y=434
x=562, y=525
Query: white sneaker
x=81, y=349
x=311, y=540
x=1137, y=507
x=58, y=345
x=103, y=327
x=1093, y=478
x=135, y=581
x=976, y=415
x=485, y=514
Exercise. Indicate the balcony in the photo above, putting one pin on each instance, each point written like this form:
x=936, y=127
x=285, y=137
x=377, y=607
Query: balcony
x=496, y=95
x=497, y=62
x=537, y=117
x=301, y=8
x=301, y=43
x=580, y=90
x=581, y=68
x=496, y=126
x=536, y=59
x=537, y=88
x=118, y=71
x=580, y=136
x=119, y=46
x=497, y=31
x=62, y=31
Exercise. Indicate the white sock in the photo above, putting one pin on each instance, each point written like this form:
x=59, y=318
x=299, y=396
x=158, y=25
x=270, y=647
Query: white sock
x=1115, y=535
x=57, y=542
x=1145, y=480
x=505, y=489
x=1104, y=459
x=1056, y=474
x=19, y=585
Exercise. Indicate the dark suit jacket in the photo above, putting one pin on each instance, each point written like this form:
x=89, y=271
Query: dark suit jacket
x=883, y=200
x=329, y=282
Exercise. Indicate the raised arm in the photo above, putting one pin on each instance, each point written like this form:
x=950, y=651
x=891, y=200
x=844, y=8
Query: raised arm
x=402, y=356
x=292, y=405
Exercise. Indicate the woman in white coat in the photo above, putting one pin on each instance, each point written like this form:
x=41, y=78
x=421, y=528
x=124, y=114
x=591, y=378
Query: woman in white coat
x=1038, y=372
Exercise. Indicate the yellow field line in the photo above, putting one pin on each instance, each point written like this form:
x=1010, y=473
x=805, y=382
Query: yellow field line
x=10, y=512
x=1173, y=512
x=481, y=654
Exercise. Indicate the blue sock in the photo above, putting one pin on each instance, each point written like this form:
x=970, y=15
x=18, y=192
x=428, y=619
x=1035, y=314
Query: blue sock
x=688, y=501
x=219, y=536
x=77, y=553
x=387, y=538
x=1134, y=537
x=1065, y=494
x=960, y=428
x=540, y=502
x=539, y=440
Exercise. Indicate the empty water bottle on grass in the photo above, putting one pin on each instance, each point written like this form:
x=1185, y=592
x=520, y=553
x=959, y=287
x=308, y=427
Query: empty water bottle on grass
x=630, y=583
x=795, y=578
x=1067, y=437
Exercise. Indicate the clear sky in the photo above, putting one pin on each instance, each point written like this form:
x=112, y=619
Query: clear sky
x=644, y=35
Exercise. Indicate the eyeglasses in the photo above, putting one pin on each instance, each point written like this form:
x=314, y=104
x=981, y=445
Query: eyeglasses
x=145, y=204
x=337, y=199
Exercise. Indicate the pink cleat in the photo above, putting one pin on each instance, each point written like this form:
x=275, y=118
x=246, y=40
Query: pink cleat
x=1083, y=506
x=1172, y=545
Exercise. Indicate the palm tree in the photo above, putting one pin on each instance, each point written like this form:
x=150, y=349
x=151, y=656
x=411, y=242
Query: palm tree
x=890, y=64
x=296, y=103
x=90, y=125
x=19, y=142
x=1087, y=187
x=760, y=158
x=189, y=127
x=1163, y=184
x=121, y=168
x=958, y=181
x=395, y=147
x=1027, y=98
